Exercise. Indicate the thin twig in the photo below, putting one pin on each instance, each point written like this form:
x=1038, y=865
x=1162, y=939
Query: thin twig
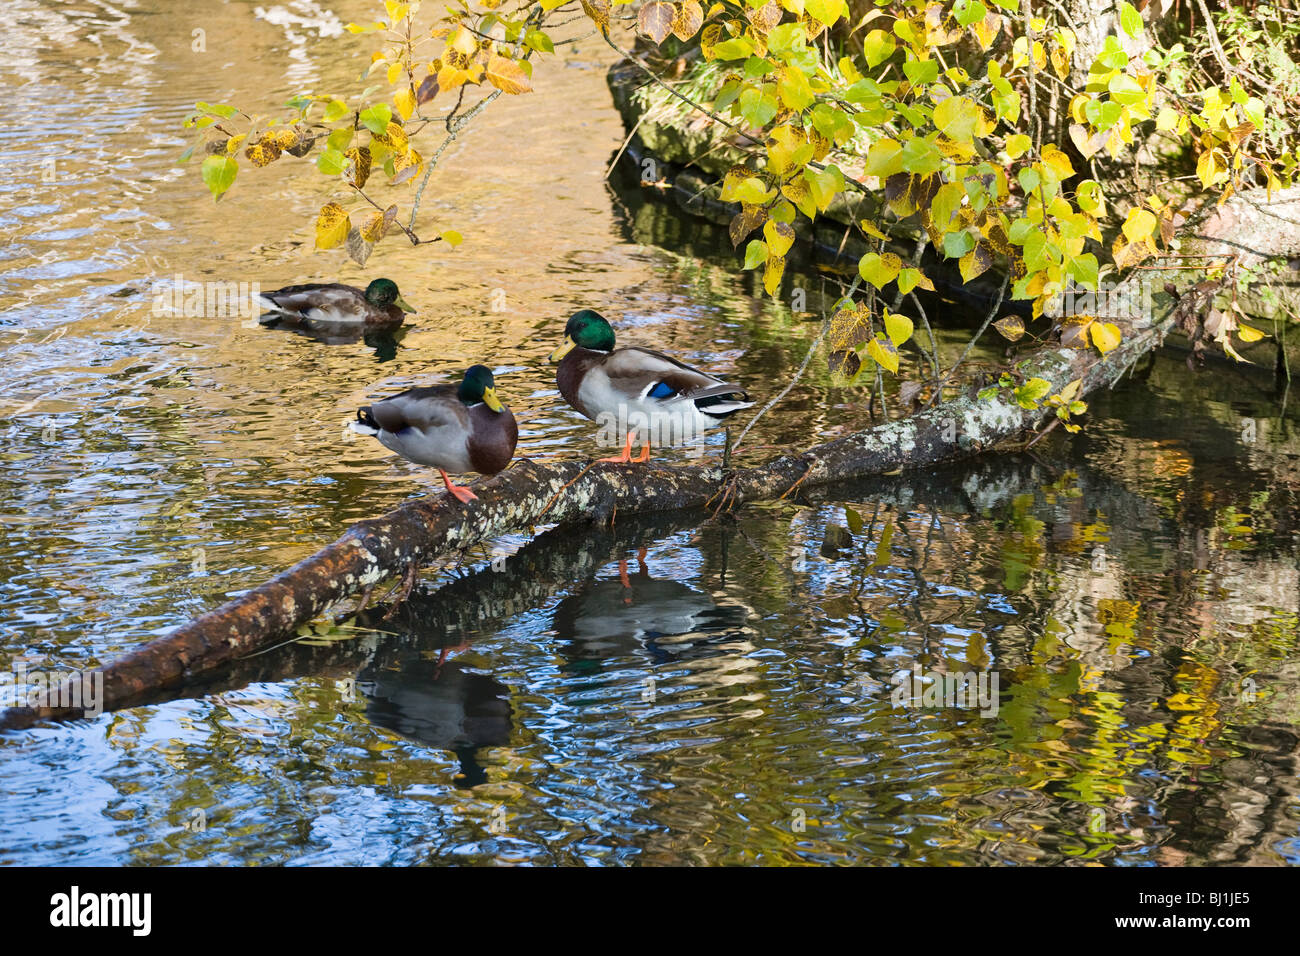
x=938, y=389
x=812, y=349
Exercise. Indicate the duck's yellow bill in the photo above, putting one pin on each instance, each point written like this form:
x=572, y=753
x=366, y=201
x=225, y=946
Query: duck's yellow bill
x=402, y=304
x=490, y=398
x=568, y=346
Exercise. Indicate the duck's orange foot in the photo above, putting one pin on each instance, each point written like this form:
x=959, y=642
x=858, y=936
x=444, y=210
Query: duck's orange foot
x=460, y=492
x=625, y=458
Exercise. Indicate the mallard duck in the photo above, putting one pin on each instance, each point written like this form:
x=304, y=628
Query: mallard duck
x=380, y=305
x=456, y=428
x=641, y=390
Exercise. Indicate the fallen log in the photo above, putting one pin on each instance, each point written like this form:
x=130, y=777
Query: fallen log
x=531, y=493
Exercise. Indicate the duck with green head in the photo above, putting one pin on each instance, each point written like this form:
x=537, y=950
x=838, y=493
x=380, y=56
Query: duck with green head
x=454, y=428
x=644, y=392
x=378, y=306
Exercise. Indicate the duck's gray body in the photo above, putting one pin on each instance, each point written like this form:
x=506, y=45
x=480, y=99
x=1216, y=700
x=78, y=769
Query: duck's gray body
x=431, y=426
x=617, y=388
x=327, y=303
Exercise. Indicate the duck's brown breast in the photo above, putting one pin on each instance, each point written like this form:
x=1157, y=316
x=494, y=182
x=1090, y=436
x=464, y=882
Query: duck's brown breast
x=568, y=376
x=492, y=439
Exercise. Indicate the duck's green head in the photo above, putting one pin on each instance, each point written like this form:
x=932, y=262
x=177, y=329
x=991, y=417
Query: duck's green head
x=479, y=386
x=383, y=293
x=587, y=330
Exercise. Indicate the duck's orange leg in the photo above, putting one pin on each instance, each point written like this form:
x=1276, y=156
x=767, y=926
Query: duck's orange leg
x=461, y=493
x=626, y=457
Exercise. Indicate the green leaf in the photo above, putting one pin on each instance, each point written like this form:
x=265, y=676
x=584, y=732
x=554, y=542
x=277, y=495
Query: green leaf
x=957, y=244
x=898, y=327
x=219, y=108
x=755, y=253
x=1032, y=392
x=884, y=158
x=955, y=117
x=877, y=47
x=539, y=41
x=921, y=72
x=921, y=156
x=377, y=118
x=331, y=162
x=879, y=270
x=969, y=11
x=219, y=174
x=1091, y=198
x=335, y=110
x=735, y=49
x=1125, y=91
x=1084, y=269
x=758, y=106
x=1129, y=19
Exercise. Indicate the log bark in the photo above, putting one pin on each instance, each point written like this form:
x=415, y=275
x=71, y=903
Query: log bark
x=532, y=493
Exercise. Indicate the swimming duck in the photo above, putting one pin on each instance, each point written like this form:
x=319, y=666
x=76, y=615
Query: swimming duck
x=379, y=305
x=640, y=390
x=456, y=428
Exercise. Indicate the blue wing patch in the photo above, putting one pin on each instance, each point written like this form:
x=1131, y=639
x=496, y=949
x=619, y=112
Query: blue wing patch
x=661, y=390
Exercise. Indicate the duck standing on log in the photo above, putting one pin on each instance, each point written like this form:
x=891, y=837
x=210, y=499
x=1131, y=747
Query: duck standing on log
x=454, y=428
x=641, y=390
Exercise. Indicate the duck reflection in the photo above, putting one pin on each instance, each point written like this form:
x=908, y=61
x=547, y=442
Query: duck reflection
x=329, y=332
x=638, y=615
x=442, y=704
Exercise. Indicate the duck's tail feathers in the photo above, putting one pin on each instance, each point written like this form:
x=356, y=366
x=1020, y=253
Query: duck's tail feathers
x=365, y=423
x=723, y=402
x=265, y=302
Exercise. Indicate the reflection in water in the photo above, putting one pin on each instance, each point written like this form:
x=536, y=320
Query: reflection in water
x=1135, y=587
x=443, y=705
x=611, y=619
x=384, y=342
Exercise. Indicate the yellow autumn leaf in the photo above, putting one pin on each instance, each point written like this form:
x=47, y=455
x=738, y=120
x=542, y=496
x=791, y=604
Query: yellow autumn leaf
x=375, y=229
x=1010, y=327
x=772, y=274
x=1105, y=335
x=1138, y=225
x=779, y=236
x=262, y=153
x=506, y=75
x=360, y=157
x=885, y=353
x=332, y=225
x=404, y=100
x=976, y=262
x=869, y=228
